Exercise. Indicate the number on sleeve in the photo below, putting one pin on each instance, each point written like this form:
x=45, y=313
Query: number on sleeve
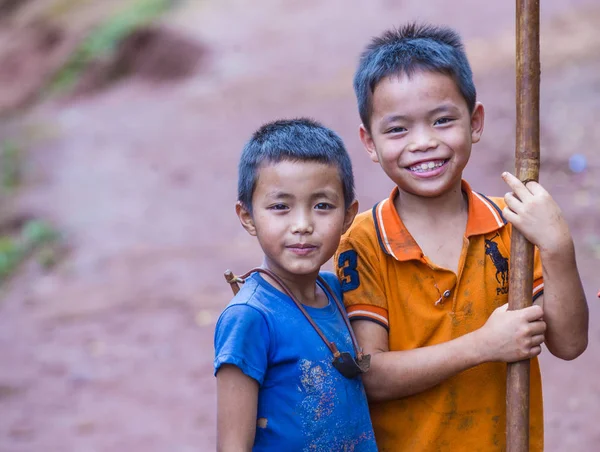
x=347, y=262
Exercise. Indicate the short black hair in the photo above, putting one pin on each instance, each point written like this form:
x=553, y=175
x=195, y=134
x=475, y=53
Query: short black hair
x=406, y=50
x=301, y=139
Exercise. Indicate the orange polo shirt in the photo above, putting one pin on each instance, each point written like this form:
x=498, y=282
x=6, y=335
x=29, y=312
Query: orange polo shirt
x=387, y=279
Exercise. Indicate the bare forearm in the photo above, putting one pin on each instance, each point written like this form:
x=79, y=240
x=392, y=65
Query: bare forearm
x=237, y=401
x=507, y=336
x=233, y=447
x=531, y=210
x=398, y=374
x=564, y=303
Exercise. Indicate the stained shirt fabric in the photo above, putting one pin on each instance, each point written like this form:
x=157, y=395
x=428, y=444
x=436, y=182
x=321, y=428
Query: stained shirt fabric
x=387, y=279
x=304, y=403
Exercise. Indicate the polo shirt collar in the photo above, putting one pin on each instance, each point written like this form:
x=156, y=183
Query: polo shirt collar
x=484, y=216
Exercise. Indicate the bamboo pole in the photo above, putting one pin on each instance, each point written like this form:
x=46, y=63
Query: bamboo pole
x=527, y=154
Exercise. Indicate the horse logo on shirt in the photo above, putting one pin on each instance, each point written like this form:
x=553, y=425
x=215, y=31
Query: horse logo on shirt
x=500, y=262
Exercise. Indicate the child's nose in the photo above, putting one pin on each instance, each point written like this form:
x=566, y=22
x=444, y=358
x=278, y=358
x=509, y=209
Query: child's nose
x=302, y=224
x=421, y=140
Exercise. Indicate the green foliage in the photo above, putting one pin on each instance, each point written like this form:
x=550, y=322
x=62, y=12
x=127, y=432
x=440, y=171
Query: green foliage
x=103, y=40
x=38, y=232
x=10, y=165
x=35, y=237
x=11, y=254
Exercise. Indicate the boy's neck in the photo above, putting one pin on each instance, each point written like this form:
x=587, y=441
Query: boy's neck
x=437, y=225
x=450, y=205
x=303, y=287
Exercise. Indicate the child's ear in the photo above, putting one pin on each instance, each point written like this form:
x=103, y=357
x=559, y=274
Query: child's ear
x=367, y=141
x=477, y=120
x=245, y=218
x=350, y=214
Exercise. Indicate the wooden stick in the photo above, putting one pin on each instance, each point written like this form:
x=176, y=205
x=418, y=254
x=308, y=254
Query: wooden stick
x=526, y=169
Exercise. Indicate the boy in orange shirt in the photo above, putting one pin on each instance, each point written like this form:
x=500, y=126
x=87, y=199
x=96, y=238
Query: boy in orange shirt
x=425, y=272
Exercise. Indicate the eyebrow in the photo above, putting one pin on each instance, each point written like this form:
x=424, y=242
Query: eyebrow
x=277, y=194
x=444, y=108
x=281, y=195
x=330, y=194
x=393, y=118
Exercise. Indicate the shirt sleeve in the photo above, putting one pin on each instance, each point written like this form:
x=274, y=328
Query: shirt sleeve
x=538, y=280
x=357, y=267
x=242, y=339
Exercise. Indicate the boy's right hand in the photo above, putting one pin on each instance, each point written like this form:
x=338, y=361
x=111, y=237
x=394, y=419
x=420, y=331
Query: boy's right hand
x=511, y=336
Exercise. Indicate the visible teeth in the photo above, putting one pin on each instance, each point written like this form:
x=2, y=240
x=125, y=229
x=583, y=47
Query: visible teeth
x=426, y=166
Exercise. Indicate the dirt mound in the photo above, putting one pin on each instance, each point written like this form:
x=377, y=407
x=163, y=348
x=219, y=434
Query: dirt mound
x=154, y=53
x=46, y=49
x=10, y=6
x=28, y=56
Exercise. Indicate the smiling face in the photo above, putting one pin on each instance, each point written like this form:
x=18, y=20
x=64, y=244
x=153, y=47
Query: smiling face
x=298, y=216
x=422, y=132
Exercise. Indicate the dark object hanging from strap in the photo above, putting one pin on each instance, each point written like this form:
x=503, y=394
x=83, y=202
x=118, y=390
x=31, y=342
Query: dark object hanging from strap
x=344, y=362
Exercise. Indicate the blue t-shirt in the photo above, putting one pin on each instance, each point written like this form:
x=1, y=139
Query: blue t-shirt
x=304, y=403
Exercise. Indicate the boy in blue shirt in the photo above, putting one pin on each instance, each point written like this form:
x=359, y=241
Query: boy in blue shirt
x=286, y=361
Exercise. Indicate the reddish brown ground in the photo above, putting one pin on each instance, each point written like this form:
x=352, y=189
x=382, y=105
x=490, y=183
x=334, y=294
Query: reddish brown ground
x=113, y=350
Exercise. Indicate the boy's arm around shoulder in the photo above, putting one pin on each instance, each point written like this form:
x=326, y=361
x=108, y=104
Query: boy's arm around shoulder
x=506, y=336
x=532, y=210
x=241, y=349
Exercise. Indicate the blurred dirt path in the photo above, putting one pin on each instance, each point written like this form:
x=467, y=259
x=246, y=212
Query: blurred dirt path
x=113, y=350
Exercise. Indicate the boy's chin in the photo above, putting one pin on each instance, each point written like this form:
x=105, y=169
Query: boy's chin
x=301, y=270
x=431, y=193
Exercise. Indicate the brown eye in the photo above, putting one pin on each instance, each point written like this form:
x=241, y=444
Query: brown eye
x=397, y=130
x=443, y=121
